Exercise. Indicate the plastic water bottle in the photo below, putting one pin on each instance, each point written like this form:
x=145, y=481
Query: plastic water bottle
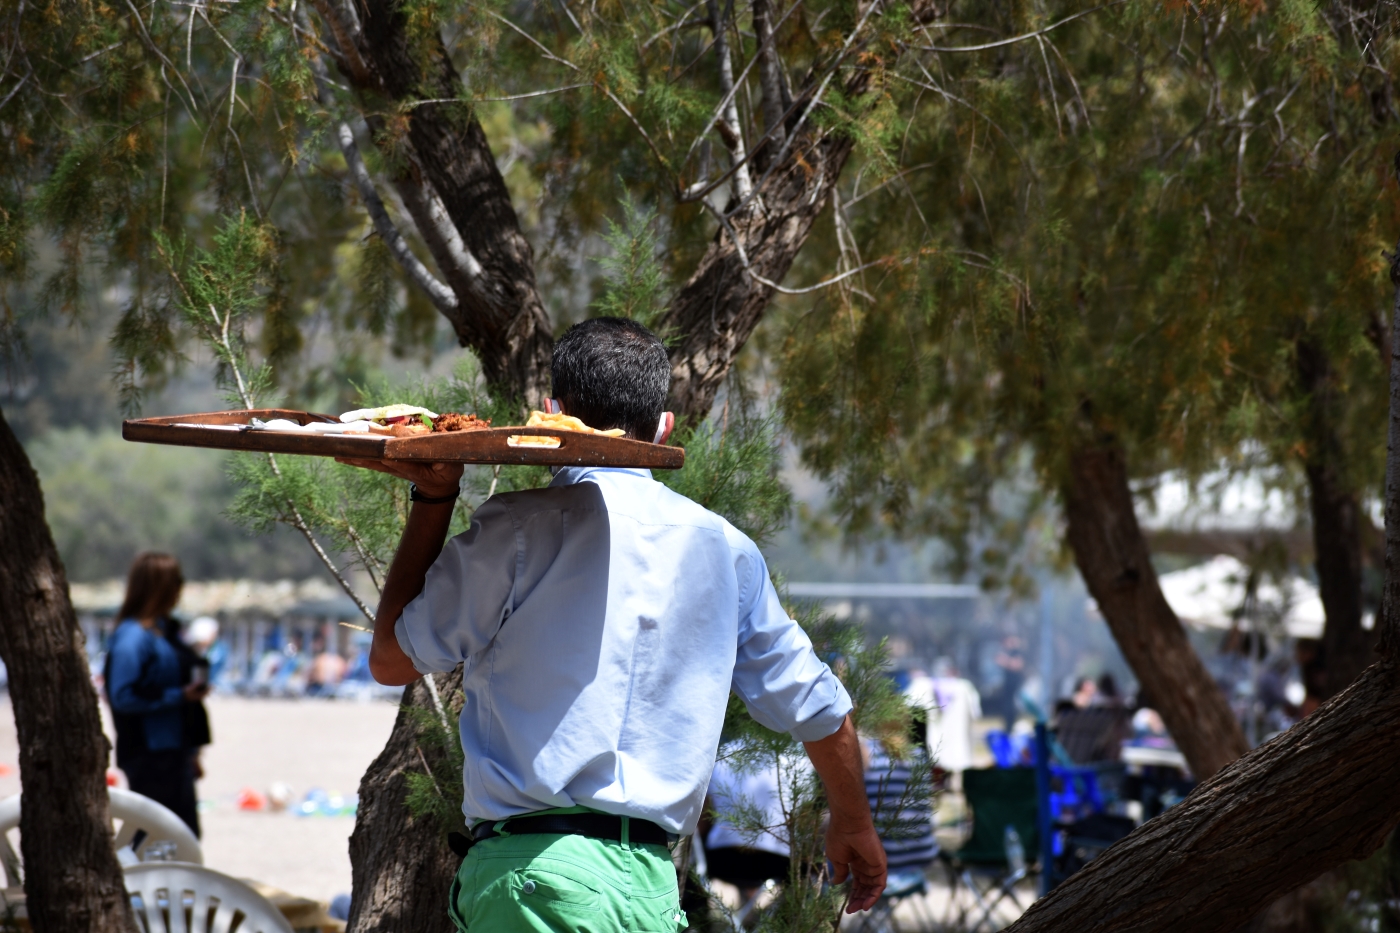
x=1015, y=851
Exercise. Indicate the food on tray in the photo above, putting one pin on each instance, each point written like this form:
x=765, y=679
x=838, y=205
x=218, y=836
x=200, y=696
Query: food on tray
x=391, y=415
x=451, y=421
x=562, y=422
x=532, y=440
x=559, y=422
x=314, y=427
x=411, y=420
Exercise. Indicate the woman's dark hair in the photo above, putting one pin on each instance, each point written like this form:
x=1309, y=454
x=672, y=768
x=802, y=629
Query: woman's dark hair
x=610, y=372
x=152, y=586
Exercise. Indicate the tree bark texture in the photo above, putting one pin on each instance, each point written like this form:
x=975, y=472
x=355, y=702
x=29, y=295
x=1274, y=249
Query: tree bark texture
x=71, y=876
x=499, y=313
x=401, y=867
x=1113, y=557
x=1347, y=648
x=719, y=306
x=1320, y=794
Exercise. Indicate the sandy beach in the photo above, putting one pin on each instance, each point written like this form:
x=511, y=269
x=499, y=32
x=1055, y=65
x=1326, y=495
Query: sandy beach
x=305, y=744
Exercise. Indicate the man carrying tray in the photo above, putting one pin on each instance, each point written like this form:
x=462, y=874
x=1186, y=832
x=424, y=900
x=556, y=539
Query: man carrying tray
x=603, y=621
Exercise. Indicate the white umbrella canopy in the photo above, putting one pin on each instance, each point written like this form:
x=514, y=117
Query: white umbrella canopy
x=1209, y=595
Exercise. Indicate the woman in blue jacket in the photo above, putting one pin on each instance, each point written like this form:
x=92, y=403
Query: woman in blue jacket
x=143, y=688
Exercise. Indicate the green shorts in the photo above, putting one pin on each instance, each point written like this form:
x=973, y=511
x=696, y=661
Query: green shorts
x=566, y=884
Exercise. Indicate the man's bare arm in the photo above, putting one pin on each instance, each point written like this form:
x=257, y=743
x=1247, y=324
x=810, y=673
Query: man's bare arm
x=852, y=845
x=418, y=548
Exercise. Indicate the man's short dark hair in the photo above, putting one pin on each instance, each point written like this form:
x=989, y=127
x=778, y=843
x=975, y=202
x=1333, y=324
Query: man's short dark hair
x=612, y=373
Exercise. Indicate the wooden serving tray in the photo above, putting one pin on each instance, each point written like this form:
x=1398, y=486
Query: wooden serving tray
x=218, y=429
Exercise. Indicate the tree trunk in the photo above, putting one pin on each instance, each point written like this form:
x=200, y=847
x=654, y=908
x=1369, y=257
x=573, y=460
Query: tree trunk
x=71, y=877
x=1347, y=648
x=401, y=867
x=1114, y=560
x=499, y=312
x=717, y=309
x=1320, y=794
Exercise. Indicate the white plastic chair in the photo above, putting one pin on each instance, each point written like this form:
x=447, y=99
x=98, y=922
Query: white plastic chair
x=176, y=897
x=130, y=810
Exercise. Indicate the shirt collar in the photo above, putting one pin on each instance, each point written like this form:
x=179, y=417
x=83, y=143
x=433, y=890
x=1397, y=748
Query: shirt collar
x=567, y=476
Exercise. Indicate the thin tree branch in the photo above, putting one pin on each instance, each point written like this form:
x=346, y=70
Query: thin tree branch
x=811, y=105
x=297, y=520
x=1014, y=39
x=441, y=296
x=150, y=44
x=889, y=181
x=491, y=100
x=731, y=131
x=15, y=90
x=770, y=81
x=568, y=64
x=749, y=271
x=437, y=227
x=544, y=50
x=771, y=132
x=344, y=35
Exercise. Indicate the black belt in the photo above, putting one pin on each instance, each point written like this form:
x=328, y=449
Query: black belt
x=593, y=825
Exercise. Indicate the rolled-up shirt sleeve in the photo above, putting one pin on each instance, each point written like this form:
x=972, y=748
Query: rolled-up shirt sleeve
x=777, y=674
x=468, y=593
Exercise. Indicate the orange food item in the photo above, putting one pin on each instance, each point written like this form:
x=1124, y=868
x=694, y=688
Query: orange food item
x=451, y=421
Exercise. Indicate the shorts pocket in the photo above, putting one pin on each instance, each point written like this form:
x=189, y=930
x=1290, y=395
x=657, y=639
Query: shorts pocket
x=545, y=889
x=659, y=912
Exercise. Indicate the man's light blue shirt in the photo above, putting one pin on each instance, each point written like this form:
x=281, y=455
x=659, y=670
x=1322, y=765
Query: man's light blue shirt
x=603, y=621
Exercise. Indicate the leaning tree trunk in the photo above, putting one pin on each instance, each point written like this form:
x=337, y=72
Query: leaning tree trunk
x=1320, y=794
x=71, y=877
x=401, y=866
x=1347, y=648
x=1114, y=560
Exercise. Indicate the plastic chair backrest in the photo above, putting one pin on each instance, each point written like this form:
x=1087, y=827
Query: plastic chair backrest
x=999, y=797
x=137, y=811
x=134, y=811
x=175, y=897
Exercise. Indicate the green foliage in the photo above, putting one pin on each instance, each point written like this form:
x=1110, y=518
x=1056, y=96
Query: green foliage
x=435, y=793
x=106, y=499
x=216, y=293
x=732, y=469
x=636, y=283
x=881, y=714
x=1124, y=233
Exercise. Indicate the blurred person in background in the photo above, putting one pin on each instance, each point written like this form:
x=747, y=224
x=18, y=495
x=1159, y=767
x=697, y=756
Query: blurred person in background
x=194, y=669
x=1085, y=691
x=144, y=687
x=203, y=636
x=953, y=706
x=1106, y=692
x=327, y=670
x=739, y=853
x=1011, y=659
